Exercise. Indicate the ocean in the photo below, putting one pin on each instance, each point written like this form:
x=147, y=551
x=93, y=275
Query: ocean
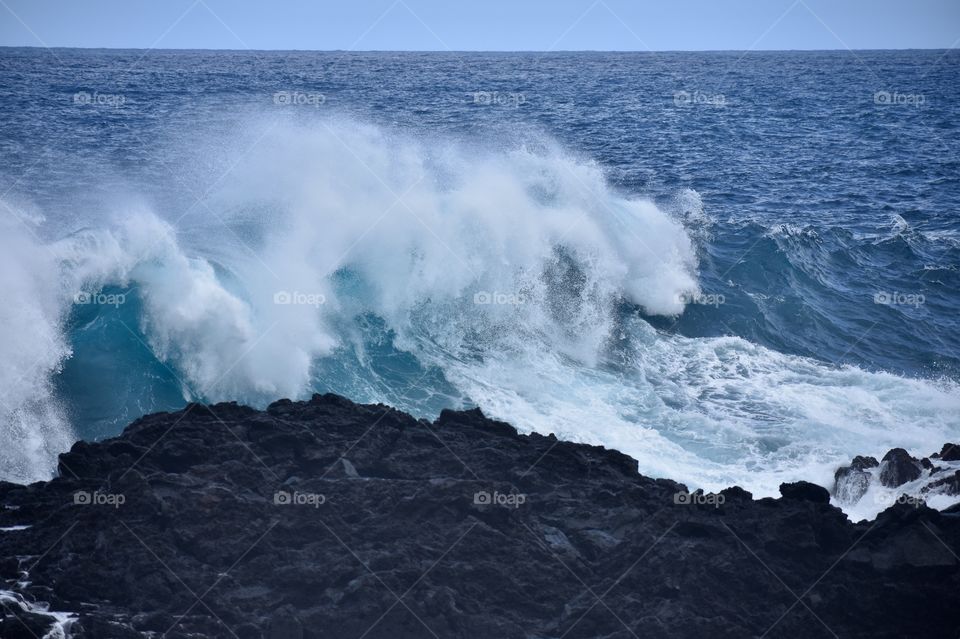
x=738, y=268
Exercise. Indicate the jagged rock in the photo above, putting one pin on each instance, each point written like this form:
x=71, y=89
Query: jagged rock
x=851, y=484
x=227, y=522
x=736, y=494
x=950, y=452
x=949, y=485
x=805, y=491
x=861, y=462
x=898, y=468
x=853, y=481
x=16, y=623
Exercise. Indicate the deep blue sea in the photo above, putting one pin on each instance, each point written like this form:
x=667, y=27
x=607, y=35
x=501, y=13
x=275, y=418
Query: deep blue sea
x=736, y=267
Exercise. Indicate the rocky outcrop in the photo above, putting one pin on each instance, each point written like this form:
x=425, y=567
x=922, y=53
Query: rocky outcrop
x=897, y=468
x=939, y=474
x=853, y=481
x=805, y=491
x=949, y=452
x=948, y=485
x=326, y=519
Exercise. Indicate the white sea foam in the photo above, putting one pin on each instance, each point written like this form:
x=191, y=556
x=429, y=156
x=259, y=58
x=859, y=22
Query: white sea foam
x=60, y=622
x=33, y=426
x=443, y=229
x=507, y=269
x=714, y=412
x=878, y=497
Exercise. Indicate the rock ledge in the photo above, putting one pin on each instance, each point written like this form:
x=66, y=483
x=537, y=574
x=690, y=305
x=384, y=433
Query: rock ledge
x=326, y=519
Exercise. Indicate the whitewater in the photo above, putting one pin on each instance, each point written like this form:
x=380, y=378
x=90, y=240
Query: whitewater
x=426, y=272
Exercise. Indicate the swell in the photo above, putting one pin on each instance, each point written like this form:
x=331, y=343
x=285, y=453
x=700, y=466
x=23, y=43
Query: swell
x=881, y=298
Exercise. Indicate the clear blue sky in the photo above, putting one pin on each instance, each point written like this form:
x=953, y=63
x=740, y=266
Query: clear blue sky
x=482, y=25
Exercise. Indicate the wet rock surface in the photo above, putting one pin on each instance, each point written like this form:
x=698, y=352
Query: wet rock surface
x=326, y=519
x=950, y=452
x=948, y=484
x=853, y=481
x=897, y=468
x=933, y=476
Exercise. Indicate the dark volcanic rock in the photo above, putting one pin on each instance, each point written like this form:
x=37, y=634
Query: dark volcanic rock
x=950, y=452
x=805, y=491
x=18, y=623
x=852, y=481
x=898, y=468
x=862, y=463
x=326, y=519
x=949, y=485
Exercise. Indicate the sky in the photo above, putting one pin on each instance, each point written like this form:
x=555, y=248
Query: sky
x=486, y=25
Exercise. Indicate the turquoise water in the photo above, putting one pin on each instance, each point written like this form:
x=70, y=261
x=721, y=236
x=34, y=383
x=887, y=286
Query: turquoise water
x=735, y=269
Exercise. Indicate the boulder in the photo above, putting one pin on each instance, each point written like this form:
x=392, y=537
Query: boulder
x=853, y=481
x=950, y=452
x=805, y=491
x=949, y=485
x=898, y=468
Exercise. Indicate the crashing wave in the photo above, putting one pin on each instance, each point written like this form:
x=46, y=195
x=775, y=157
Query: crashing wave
x=348, y=258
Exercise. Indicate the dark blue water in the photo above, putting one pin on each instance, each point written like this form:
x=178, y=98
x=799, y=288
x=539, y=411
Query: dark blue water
x=818, y=192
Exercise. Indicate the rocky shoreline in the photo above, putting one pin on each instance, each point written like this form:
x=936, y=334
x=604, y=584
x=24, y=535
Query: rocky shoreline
x=328, y=519
x=905, y=478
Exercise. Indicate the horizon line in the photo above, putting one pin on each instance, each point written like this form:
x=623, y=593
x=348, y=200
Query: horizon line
x=540, y=51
